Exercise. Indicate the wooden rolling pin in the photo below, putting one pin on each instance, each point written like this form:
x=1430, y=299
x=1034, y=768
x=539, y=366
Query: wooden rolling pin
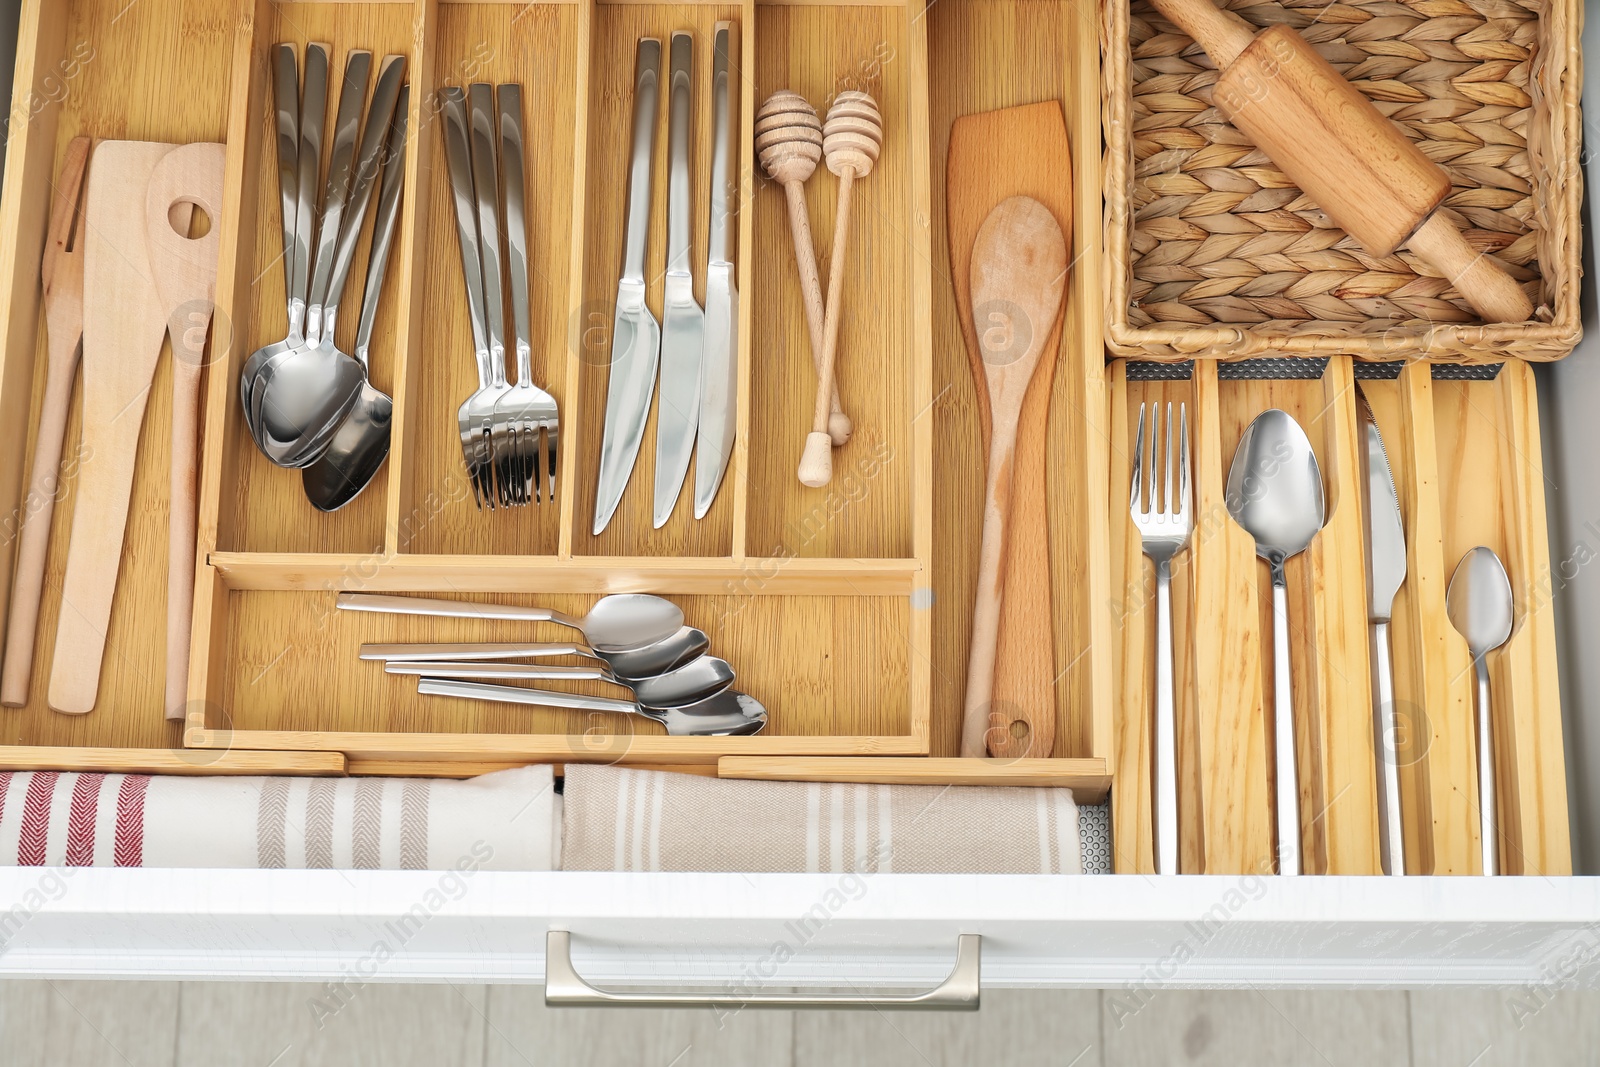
x=1331, y=142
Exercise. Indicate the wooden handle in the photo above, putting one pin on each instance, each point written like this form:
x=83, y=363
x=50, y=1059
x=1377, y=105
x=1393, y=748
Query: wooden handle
x=805, y=257
x=1221, y=33
x=1481, y=281
x=817, y=471
x=986, y=609
x=37, y=510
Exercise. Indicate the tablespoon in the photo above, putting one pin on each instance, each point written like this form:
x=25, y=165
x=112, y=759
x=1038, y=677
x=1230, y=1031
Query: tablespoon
x=730, y=712
x=1275, y=493
x=292, y=165
x=690, y=683
x=622, y=622
x=658, y=658
x=1482, y=610
x=361, y=445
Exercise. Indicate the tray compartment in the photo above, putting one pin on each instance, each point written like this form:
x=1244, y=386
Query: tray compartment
x=537, y=46
x=868, y=510
x=264, y=508
x=854, y=697
x=1050, y=53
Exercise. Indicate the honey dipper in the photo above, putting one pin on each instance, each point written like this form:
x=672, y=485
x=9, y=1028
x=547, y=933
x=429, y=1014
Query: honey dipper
x=789, y=145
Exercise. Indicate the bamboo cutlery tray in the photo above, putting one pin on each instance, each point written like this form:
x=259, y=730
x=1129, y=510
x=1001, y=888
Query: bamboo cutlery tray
x=844, y=610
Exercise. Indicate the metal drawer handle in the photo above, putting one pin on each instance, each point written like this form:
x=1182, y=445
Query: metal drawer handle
x=565, y=988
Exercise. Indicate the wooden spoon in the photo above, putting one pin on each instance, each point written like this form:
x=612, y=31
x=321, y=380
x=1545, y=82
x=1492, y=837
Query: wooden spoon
x=1019, y=273
x=62, y=274
x=185, y=272
x=1015, y=151
x=788, y=141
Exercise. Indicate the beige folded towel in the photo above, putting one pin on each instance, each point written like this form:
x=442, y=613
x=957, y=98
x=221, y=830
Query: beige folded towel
x=508, y=820
x=626, y=820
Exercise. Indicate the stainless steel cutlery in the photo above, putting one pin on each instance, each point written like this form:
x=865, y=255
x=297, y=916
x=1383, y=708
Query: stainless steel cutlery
x=1483, y=611
x=1164, y=519
x=719, y=377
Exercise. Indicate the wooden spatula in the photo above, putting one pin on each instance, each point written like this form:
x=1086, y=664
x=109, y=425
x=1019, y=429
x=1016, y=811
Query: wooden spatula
x=185, y=273
x=123, y=323
x=62, y=274
x=1018, y=151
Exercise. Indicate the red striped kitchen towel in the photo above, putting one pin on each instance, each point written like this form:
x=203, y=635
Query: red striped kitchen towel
x=508, y=820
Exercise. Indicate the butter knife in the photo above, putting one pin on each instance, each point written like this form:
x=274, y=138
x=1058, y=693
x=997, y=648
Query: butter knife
x=1386, y=572
x=683, y=326
x=635, y=334
x=719, y=369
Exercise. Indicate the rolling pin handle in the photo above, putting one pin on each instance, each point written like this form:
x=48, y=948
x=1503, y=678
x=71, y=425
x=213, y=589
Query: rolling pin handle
x=1480, y=280
x=1221, y=33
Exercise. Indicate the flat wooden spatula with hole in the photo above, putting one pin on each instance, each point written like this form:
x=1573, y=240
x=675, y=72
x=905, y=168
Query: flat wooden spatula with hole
x=994, y=155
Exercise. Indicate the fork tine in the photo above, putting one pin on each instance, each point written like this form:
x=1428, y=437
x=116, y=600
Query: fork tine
x=554, y=438
x=1166, y=501
x=1135, y=501
x=1183, y=460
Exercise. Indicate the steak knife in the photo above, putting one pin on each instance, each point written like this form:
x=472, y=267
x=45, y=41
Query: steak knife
x=683, y=327
x=719, y=374
x=635, y=336
x=1386, y=572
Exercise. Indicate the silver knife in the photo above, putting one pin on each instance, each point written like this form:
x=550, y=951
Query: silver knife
x=635, y=334
x=1386, y=572
x=683, y=326
x=719, y=368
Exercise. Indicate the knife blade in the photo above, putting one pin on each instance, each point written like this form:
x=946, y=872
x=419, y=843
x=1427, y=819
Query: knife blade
x=1386, y=572
x=635, y=336
x=719, y=377
x=683, y=327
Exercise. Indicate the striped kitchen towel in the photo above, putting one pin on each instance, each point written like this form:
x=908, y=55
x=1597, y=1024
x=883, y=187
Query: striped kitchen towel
x=615, y=819
x=508, y=820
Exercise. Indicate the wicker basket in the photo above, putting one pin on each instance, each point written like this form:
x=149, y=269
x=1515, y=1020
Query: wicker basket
x=1212, y=252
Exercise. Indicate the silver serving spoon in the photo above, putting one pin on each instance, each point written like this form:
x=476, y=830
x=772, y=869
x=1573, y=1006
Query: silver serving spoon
x=1482, y=609
x=689, y=683
x=361, y=444
x=622, y=622
x=1275, y=493
x=730, y=712
x=299, y=399
x=646, y=662
x=297, y=173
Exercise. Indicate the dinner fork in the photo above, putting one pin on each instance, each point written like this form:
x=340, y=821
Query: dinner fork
x=1164, y=526
x=526, y=412
x=475, y=417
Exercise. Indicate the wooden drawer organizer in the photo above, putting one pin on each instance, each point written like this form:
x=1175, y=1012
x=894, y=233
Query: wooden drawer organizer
x=821, y=599
x=1463, y=444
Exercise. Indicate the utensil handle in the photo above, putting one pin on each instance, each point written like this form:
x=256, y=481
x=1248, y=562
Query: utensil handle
x=1285, y=767
x=1221, y=33
x=286, y=99
x=383, y=226
x=512, y=159
x=991, y=591
x=1166, y=827
x=680, y=121
x=646, y=89
x=487, y=671
x=450, y=609
x=375, y=141
x=1385, y=736
x=805, y=258
x=515, y=694
x=565, y=988
x=1488, y=820
x=720, y=232
x=486, y=182
x=346, y=132
x=308, y=158
x=38, y=507
x=1480, y=280
x=453, y=102
x=463, y=652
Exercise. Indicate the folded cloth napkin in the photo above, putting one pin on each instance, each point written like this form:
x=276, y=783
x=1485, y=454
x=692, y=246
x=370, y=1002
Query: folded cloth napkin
x=617, y=819
x=508, y=820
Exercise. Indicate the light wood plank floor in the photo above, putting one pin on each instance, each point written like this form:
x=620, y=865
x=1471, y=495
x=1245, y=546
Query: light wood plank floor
x=144, y=1024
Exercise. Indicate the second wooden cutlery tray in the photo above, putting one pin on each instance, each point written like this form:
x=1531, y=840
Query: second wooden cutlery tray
x=845, y=610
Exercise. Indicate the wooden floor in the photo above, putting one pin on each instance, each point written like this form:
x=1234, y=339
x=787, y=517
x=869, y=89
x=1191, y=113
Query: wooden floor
x=87, y=1024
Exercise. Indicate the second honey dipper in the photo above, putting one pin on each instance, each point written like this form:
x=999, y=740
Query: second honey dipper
x=1331, y=141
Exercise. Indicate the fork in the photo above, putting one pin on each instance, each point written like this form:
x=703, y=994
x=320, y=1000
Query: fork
x=527, y=413
x=1164, y=526
x=475, y=417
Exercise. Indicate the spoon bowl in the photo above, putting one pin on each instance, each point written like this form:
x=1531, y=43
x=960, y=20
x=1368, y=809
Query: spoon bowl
x=1275, y=487
x=621, y=622
x=1479, y=601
